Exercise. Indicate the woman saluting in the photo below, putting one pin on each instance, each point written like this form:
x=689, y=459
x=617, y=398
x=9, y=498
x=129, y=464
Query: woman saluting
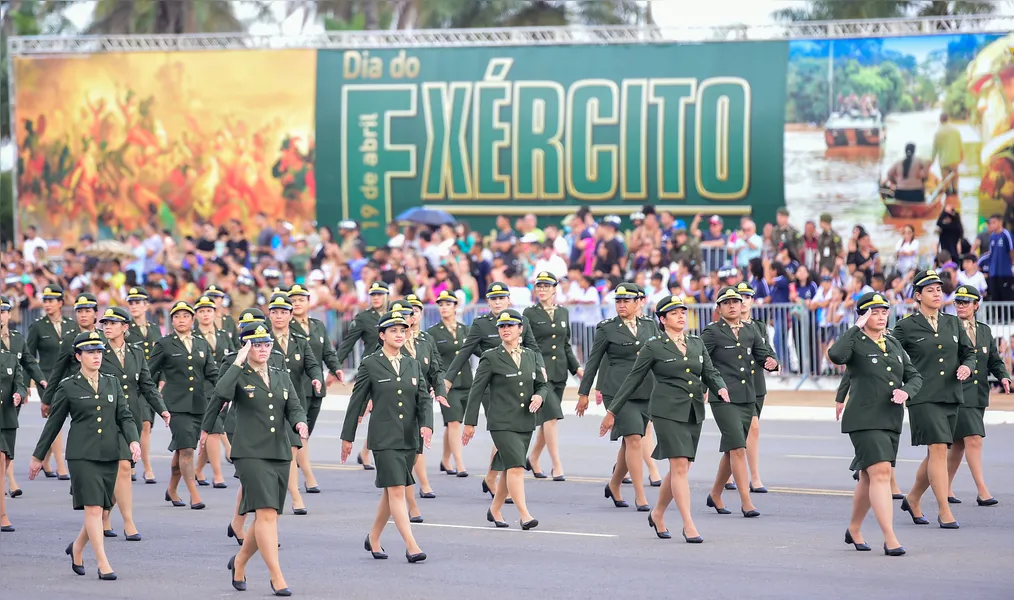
x=264, y=400
x=99, y=417
x=513, y=377
x=882, y=378
x=449, y=335
x=402, y=408
x=551, y=325
x=683, y=374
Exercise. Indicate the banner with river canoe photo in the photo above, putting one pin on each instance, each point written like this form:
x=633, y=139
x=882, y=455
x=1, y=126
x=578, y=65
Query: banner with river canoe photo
x=109, y=142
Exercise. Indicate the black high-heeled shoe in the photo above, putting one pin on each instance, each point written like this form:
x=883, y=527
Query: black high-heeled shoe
x=109, y=533
x=203, y=482
x=414, y=558
x=710, y=503
x=462, y=473
x=133, y=477
x=239, y=585
x=7, y=529
x=232, y=533
x=282, y=592
x=730, y=486
x=692, y=540
x=749, y=514
x=899, y=551
x=444, y=469
x=366, y=466
x=134, y=537
x=427, y=495
x=951, y=525
x=526, y=525
x=176, y=503
x=897, y=496
x=655, y=483
x=311, y=490
x=150, y=481
x=299, y=511
x=486, y=490
x=78, y=568
x=860, y=546
x=221, y=485
x=953, y=500
x=643, y=508
x=616, y=503
x=15, y=493
x=63, y=477
x=110, y=576
x=412, y=519
x=758, y=490
x=920, y=520
x=369, y=548
x=198, y=506
x=987, y=501
x=48, y=474
x=492, y=519
x=664, y=535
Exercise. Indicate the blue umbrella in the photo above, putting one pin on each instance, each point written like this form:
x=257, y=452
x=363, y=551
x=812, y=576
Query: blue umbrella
x=426, y=216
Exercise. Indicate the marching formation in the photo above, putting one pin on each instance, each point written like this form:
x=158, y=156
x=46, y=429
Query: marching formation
x=251, y=391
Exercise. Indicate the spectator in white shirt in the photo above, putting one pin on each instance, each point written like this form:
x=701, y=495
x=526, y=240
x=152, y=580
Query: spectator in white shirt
x=33, y=241
x=584, y=298
x=971, y=275
x=521, y=295
x=550, y=261
x=907, y=251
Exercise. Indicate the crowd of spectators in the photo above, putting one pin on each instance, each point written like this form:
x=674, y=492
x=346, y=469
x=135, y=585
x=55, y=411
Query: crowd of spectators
x=806, y=282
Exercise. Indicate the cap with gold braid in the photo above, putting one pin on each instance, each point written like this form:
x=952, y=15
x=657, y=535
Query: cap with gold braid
x=626, y=290
x=508, y=317
x=251, y=315
x=728, y=293
x=214, y=291
x=744, y=289
x=280, y=301
x=255, y=333
x=871, y=300
x=379, y=287
x=89, y=340
x=967, y=293
x=497, y=290
x=298, y=290
x=546, y=278
x=52, y=292
x=391, y=319
x=181, y=306
x=925, y=278
x=669, y=304
x=85, y=301
x=5, y=303
x=137, y=293
x=204, y=302
x=115, y=314
x=413, y=300
x=401, y=307
x=447, y=296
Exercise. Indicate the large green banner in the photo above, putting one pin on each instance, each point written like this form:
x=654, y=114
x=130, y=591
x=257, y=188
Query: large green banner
x=506, y=130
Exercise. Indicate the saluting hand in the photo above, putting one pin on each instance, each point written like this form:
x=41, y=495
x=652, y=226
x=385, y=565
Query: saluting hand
x=535, y=404
x=303, y=431
x=964, y=373
x=316, y=385
x=607, y=423
x=165, y=417
x=346, y=450
x=427, y=435
x=466, y=434
x=1006, y=385
x=369, y=407
x=33, y=468
x=863, y=318
x=135, y=451
x=582, y=405
x=242, y=354
x=724, y=395
x=838, y=407
x=899, y=396
x=17, y=399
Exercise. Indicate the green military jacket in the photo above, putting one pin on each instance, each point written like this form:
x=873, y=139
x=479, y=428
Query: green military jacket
x=936, y=355
x=135, y=379
x=363, y=327
x=975, y=389
x=323, y=351
x=873, y=375
x=553, y=338
x=300, y=364
x=229, y=325
x=401, y=403
x=262, y=411
x=829, y=247
x=681, y=380
x=736, y=359
x=429, y=360
x=65, y=366
x=482, y=336
x=98, y=420
x=223, y=344
x=760, y=383
x=185, y=373
x=29, y=366
x=146, y=339
x=510, y=390
x=11, y=381
x=614, y=340
x=448, y=346
x=43, y=341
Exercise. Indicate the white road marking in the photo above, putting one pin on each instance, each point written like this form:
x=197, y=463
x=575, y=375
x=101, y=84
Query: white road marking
x=849, y=458
x=512, y=528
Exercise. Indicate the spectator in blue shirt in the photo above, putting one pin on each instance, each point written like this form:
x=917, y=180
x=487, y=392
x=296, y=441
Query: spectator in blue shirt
x=1001, y=256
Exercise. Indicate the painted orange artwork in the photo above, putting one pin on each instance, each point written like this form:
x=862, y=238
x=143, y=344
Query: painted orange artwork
x=108, y=142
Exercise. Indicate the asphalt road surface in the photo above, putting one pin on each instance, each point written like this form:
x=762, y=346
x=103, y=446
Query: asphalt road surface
x=584, y=548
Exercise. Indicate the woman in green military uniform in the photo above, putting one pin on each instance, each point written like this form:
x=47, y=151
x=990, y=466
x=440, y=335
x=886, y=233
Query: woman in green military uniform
x=393, y=387
x=315, y=332
x=882, y=378
x=760, y=388
x=514, y=378
x=127, y=364
x=970, y=428
x=364, y=327
x=100, y=420
x=221, y=343
x=222, y=320
x=12, y=341
x=13, y=392
x=292, y=353
x=735, y=350
x=683, y=375
x=843, y=392
x=551, y=326
x=449, y=335
x=944, y=356
x=619, y=340
x=267, y=406
x=186, y=362
x=144, y=334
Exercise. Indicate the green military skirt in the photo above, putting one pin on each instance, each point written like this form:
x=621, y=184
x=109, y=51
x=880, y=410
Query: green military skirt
x=933, y=423
x=511, y=449
x=186, y=430
x=675, y=439
x=552, y=405
x=92, y=482
x=874, y=446
x=312, y=412
x=970, y=422
x=733, y=421
x=394, y=467
x=265, y=483
x=760, y=405
x=455, y=413
x=7, y=439
x=632, y=420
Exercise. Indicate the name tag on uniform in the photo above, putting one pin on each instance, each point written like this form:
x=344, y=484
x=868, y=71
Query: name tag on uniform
x=384, y=380
x=513, y=374
x=541, y=322
x=729, y=347
x=628, y=343
x=920, y=340
x=669, y=360
x=493, y=335
x=176, y=354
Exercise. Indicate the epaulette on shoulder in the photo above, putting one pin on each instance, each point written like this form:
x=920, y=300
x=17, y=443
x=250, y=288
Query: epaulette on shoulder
x=69, y=377
x=106, y=375
x=274, y=368
x=493, y=349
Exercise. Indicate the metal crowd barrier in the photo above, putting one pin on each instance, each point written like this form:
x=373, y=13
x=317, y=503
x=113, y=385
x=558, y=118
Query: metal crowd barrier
x=799, y=336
